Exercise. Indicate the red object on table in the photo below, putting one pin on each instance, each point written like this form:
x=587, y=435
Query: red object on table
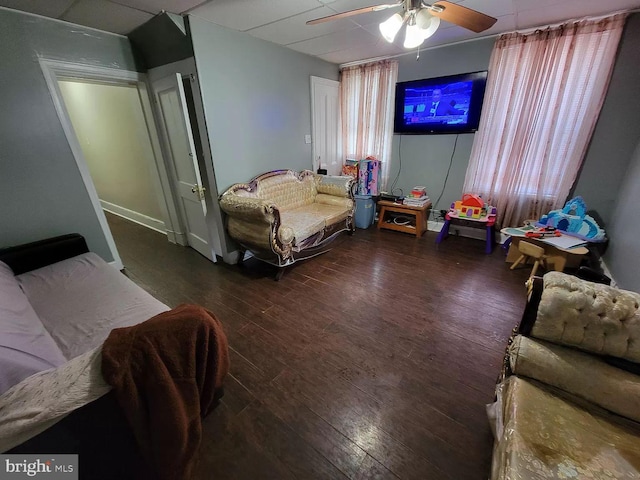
x=542, y=234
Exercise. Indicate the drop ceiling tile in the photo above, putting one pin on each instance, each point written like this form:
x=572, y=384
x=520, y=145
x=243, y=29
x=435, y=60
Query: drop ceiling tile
x=105, y=15
x=247, y=14
x=530, y=15
x=345, y=5
x=522, y=5
x=363, y=52
x=494, y=8
x=568, y=10
x=356, y=37
x=47, y=8
x=294, y=29
x=156, y=6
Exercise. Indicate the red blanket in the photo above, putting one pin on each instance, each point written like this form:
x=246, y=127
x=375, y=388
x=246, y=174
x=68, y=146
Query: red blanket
x=167, y=373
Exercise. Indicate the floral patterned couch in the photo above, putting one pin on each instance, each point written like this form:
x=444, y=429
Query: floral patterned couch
x=568, y=405
x=284, y=216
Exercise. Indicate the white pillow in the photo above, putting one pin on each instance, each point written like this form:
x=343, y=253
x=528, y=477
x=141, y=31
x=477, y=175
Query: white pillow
x=25, y=345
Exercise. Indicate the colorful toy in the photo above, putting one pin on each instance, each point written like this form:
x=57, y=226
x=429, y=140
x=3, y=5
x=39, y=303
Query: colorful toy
x=573, y=220
x=471, y=206
x=369, y=172
x=350, y=168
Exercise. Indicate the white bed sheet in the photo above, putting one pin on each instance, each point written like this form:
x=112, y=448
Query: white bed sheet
x=80, y=300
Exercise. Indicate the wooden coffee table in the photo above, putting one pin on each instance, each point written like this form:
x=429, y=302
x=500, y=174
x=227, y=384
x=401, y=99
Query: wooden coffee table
x=418, y=213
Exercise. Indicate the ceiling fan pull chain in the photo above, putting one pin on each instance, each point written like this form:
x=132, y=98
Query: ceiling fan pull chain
x=418, y=55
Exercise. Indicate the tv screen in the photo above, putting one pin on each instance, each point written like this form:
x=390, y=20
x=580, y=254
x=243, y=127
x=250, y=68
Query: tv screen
x=440, y=105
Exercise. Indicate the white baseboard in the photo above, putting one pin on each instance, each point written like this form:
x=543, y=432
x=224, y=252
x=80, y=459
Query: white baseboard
x=434, y=226
x=139, y=218
x=179, y=238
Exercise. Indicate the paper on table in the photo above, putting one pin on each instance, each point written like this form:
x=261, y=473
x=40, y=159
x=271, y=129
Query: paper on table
x=564, y=241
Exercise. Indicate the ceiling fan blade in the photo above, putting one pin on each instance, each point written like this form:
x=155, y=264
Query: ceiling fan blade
x=463, y=16
x=358, y=11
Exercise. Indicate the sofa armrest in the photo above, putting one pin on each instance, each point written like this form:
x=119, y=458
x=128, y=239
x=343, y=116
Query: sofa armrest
x=250, y=209
x=256, y=222
x=340, y=186
x=34, y=255
x=577, y=373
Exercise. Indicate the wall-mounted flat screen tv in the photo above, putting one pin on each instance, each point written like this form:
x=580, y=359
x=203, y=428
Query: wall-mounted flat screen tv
x=440, y=105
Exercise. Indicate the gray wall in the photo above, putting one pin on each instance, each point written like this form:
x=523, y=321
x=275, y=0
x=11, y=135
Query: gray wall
x=623, y=255
x=41, y=191
x=425, y=158
x=257, y=101
x=617, y=130
x=122, y=170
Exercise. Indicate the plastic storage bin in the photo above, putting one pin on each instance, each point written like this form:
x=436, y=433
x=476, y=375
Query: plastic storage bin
x=365, y=211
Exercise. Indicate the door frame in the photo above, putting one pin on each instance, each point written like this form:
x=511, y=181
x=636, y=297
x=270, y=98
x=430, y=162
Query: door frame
x=320, y=81
x=55, y=69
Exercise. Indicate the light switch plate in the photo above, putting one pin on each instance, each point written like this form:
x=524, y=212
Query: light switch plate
x=307, y=138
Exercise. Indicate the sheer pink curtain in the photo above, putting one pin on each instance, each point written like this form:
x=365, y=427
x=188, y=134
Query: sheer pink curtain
x=367, y=94
x=543, y=98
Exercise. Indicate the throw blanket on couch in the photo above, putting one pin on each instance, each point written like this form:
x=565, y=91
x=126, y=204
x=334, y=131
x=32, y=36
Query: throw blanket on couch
x=43, y=399
x=167, y=373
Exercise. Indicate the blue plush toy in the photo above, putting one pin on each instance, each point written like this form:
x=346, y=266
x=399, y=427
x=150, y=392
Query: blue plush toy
x=573, y=219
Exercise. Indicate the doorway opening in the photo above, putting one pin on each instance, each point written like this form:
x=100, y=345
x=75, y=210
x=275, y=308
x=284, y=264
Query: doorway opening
x=109, y=124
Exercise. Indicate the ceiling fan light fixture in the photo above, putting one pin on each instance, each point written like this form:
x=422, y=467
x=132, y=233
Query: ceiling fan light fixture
x=391, y=26
x=413, y=36
x=427, y=22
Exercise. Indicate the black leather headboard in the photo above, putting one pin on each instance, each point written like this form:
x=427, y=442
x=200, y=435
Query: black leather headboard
x=30, y=256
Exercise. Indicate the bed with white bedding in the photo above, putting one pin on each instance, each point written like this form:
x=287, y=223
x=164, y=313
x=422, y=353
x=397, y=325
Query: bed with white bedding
x=54, y=319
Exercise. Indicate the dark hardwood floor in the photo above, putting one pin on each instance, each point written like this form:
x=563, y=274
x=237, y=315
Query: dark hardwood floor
x=374, y=360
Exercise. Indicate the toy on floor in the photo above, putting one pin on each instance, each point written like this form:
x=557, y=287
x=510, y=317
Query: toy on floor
x=471, y=206
x=573, y=220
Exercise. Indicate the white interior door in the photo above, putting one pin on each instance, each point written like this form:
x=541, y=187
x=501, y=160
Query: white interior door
x=325, y=125
x=170, y=98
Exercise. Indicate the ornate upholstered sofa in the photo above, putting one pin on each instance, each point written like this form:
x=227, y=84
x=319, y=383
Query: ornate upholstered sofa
x=283, y=216
x=568, y=405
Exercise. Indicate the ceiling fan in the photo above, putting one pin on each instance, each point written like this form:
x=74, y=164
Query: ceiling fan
x=422, y=19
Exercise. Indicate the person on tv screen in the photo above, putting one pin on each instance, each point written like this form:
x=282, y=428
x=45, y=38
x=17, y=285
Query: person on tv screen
x=439, y=108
